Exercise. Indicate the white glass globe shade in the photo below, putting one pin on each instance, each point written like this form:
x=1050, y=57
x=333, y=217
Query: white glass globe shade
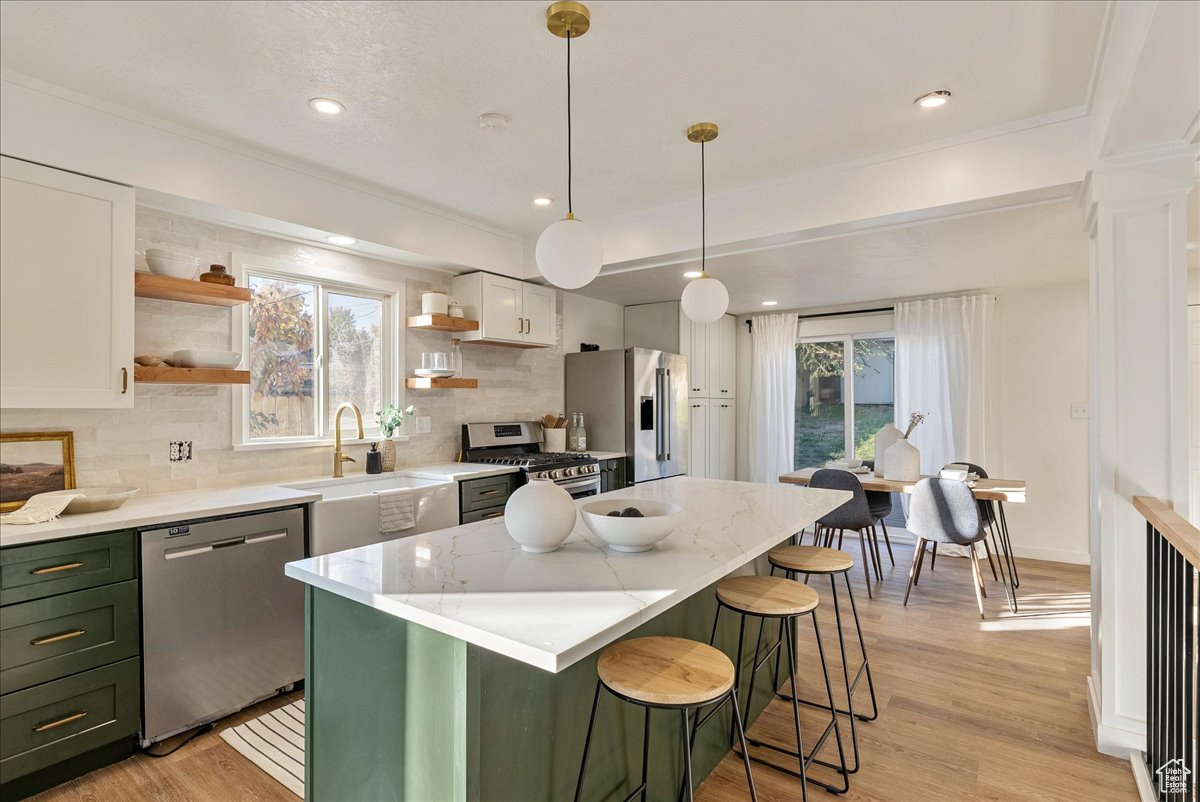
x=569, y=254
x=704, y=300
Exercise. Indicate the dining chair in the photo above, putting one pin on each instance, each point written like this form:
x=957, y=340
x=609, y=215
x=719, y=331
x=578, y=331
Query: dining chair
x=881, y=507
x=854, y=515
x=944, y=511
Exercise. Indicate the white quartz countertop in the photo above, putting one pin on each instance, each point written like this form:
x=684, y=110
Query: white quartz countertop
x=603, y=455
x=160, y=508
x=457, y=471
x=474, y=583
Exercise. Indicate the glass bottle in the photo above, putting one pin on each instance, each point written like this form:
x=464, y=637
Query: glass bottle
x=573, y=433
x=581, y=437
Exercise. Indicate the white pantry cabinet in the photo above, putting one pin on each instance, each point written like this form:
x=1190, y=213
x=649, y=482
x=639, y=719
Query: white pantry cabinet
x=711, y=434
x=509, y=312
x=66, y=289
x=698, y=438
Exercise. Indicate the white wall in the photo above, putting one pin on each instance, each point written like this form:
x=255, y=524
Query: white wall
x=1043, y=356
x=587, y=320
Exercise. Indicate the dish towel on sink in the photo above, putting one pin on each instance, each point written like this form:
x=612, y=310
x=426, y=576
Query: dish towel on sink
x=39, y=509
x=397, y=511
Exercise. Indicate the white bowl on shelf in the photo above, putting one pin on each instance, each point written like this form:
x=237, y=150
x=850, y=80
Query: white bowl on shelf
x=164, y=263
x=438, y=373
x=631, y=534
x=195, y=358
x=95, y=499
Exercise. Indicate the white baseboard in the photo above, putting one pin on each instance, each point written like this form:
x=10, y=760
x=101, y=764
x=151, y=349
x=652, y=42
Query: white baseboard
x=1110, y=740
x=1141, y=777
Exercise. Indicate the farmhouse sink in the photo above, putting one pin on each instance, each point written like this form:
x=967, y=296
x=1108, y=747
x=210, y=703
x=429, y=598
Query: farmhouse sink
x=348, y=514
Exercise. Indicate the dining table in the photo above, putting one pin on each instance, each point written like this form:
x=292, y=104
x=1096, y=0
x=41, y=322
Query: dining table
x=994, y=490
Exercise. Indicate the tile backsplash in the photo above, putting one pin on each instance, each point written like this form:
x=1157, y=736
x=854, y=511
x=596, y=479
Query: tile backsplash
x=134, y=446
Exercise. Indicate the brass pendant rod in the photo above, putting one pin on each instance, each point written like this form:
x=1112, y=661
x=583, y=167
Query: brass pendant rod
x=570, y=205
x=703, y=217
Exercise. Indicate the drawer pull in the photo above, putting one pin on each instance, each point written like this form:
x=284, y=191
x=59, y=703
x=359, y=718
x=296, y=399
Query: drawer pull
x=490, y=493
x=495, y=514
x=54, y=569
x=49, y=725
x=56, y=638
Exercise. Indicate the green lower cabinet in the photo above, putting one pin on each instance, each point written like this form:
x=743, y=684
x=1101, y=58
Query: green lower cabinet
x=396, y=711
x=613, y=475
x=50, y=638
x=57, y=721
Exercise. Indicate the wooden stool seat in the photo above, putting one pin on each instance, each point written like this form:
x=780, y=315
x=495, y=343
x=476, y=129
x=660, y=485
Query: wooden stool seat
x=810, y=559
x=666, y=672
x=769, y=596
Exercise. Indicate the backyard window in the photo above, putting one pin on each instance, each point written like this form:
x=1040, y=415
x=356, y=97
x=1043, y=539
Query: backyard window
x=311, y=344
x=836, y=417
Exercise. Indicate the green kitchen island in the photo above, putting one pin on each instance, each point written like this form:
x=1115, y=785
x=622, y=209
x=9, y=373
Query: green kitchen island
x=453, y=666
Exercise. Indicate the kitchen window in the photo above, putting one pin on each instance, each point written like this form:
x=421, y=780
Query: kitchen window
x=312, y=339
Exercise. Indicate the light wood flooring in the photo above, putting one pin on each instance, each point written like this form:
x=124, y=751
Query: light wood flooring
x=969, y=709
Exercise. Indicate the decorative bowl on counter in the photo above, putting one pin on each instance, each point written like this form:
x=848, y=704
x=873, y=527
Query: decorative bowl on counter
x=95, y=499
x=627, y=532
x=194, y=358
x=165, y=263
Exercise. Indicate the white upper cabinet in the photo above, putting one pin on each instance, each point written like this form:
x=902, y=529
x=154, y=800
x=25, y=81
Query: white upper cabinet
x=722, y=351
x=694, y=339
x=509, y=312
x=66, y=289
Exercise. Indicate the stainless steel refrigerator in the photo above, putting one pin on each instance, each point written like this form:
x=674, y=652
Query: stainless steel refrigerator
x=635, y=401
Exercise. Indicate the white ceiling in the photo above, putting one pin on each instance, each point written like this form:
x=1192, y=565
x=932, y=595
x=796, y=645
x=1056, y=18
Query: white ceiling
x=794, y=86
x=1031, y=245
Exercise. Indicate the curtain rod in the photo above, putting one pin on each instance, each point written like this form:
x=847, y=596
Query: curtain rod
x=750, y=321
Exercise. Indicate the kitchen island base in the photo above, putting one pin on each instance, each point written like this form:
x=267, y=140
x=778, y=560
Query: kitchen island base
x=397, y=711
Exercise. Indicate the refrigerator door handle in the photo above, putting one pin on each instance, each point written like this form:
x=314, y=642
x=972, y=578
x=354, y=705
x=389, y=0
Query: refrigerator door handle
x=659, y=429
x=668, y=403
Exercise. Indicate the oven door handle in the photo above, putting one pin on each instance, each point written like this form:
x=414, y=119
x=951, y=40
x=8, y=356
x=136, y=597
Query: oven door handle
x=582, y=482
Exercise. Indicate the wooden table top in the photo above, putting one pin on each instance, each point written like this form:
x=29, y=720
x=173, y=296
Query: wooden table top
x=984, y=489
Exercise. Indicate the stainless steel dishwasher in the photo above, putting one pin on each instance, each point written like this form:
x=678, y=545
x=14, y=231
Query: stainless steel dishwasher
x=222, y=626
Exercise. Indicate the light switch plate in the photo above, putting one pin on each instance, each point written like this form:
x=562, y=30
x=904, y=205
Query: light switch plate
x=424, y=424
x=1079, y=410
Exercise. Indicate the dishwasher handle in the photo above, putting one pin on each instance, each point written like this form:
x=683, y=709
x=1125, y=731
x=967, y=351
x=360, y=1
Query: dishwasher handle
x=240, y=540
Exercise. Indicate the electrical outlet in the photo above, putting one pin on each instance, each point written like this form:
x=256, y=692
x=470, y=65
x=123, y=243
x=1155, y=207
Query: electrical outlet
x=1079, y=410
x=424, y=424
x=180, y=451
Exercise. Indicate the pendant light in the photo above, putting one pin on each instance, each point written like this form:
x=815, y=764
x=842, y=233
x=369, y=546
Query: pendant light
x=569, y=253
x=705, y=298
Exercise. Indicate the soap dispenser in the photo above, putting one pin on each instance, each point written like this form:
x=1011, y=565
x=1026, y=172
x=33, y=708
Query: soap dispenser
x=374, y=459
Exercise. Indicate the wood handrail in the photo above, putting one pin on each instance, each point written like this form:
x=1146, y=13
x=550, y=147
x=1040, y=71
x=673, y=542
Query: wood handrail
x=1171, y=525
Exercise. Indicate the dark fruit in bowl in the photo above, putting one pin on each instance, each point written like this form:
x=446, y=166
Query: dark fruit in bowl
x=614, y=514
x=632, y=512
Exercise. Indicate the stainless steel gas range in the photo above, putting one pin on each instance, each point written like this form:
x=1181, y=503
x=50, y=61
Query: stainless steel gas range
x=519, y=444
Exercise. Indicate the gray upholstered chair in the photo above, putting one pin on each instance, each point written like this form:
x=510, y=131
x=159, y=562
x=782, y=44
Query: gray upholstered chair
x=945, y=511
x=881, y=507
x=854, y=515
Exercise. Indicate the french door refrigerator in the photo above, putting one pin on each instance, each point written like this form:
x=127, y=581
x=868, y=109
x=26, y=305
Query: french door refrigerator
x=634, y=401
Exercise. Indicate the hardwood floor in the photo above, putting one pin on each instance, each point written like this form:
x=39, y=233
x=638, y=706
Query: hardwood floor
x=968, y=709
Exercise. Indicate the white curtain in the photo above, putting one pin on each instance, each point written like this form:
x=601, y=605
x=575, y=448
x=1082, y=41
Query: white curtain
x=772, y=396
x=945, y=368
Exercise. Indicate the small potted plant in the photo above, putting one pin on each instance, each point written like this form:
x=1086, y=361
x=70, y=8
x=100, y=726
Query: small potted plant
x=391, y=420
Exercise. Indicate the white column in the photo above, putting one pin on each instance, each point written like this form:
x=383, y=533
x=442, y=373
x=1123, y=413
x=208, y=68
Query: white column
x=1136, y=218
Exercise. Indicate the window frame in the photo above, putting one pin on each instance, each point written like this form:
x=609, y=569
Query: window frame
x=846, y=329
x=390, y=292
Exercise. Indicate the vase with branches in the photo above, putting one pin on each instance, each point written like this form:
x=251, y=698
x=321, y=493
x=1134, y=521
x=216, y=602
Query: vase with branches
x=391, y=420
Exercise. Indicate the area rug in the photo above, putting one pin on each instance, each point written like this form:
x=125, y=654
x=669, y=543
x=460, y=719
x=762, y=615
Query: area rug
x=275, y=743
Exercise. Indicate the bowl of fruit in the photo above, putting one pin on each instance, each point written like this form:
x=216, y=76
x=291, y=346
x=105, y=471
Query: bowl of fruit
x=631, y=524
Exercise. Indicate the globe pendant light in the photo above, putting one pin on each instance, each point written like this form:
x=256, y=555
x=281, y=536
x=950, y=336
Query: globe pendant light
x=569, y=253
x=705, y=298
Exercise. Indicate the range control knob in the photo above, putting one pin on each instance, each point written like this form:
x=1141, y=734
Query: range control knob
x=555, y=474
x=571, y=471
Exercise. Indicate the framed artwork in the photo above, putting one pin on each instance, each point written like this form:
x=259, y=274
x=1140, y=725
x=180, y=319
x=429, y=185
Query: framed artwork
x=32, y=463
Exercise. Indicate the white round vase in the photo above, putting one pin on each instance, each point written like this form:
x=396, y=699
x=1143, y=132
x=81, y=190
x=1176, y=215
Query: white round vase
x=540, y=515
x=902, y=462
x=883, y=440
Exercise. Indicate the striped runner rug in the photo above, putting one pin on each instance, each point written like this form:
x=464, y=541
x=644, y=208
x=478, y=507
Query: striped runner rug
x=275, y=743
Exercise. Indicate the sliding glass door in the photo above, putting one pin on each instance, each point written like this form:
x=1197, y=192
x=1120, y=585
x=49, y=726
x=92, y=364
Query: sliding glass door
x=836, y=417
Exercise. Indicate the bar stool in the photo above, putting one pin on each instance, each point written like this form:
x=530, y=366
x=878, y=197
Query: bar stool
x=831, y=562
x=668, y=674
x=770, y=597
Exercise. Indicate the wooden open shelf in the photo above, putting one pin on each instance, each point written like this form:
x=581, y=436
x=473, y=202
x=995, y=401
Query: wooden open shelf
x=166, y=375
x=166, y=288
x=442, y=323
x=419, y=383
x=504, y=344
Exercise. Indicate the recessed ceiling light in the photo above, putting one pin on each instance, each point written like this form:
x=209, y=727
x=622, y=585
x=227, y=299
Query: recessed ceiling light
x=933, y=99
x=340, y=239
x=543, y=200
x=493, y=121
x=692, y=274
x=326, y=106
x=769, y=303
